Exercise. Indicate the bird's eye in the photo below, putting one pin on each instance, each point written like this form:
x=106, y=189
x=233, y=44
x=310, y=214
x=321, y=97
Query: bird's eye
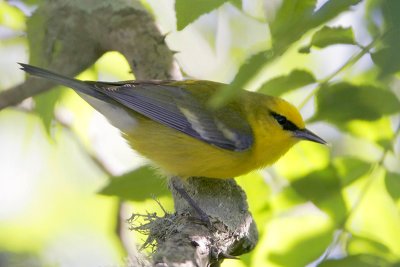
x=280, y=119
x=284, y=122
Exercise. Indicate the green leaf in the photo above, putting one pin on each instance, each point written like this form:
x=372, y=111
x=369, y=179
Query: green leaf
x=45, y=104
x=254, y=185
x=361, y=244
x=387, y=59
x=331, y=9
x=295, y=18
x=330, y=36
x=323, y=188
x=392, y=182
x=380, y=131
x=350, y=169
x=364, y=260
x=342, y=102
x=236, y=3
x=11, y=16
x=189, y=11
x=285, y=83
x=318, y=185
x=302, y=250
x=386, y=144
x=391, y=9
x=291, y=21
x=246, y=72
x=138, y=185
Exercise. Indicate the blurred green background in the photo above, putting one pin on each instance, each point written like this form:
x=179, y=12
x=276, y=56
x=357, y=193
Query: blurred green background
x=64, y=169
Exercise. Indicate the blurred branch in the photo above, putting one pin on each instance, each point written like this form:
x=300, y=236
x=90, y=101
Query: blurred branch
x=17, y=94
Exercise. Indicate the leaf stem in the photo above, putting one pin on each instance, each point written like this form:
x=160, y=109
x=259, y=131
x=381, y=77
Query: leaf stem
x=351, y=61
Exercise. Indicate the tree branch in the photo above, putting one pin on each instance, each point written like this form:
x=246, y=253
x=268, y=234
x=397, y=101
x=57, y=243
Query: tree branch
x=187, y=242
x=69, y=36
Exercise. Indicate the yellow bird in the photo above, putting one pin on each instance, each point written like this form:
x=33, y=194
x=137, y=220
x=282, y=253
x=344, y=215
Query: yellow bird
x=169, y=123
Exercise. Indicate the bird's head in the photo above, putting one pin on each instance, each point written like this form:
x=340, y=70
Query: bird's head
x=287, y=119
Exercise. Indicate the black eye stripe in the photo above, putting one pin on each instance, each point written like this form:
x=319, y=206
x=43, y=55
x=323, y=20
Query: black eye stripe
x=280, y=119
x=286, y=124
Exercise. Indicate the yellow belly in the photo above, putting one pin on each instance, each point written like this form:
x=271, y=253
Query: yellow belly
x=179, y=154
x=182, y=155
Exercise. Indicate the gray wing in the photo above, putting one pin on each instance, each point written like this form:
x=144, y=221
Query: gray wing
x=177, y=108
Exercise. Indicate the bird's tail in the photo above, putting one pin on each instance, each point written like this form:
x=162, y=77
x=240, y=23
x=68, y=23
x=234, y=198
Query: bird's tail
x=80, y=86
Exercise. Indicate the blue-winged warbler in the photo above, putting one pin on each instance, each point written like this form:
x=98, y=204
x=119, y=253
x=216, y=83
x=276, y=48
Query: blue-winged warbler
x=169, y=122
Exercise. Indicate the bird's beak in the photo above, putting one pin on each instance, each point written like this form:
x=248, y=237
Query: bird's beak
x=305, y=134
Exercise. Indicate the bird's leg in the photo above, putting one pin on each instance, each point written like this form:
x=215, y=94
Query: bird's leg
x=182, y=192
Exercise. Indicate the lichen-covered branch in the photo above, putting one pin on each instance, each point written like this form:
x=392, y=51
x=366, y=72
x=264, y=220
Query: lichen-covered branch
x=182, y=239
x=189, y=242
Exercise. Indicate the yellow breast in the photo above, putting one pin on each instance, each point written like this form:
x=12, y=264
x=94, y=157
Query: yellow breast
x=179, y=154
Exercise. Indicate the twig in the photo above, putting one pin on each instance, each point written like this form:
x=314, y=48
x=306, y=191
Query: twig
x=351, y=61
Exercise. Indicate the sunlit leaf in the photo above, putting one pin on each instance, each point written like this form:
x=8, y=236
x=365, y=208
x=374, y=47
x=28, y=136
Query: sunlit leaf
x=45, y=104
x=342, y=102
x=318, y=185
x=116, y=64
x=258, y=195
x=297, y=255
x=386, y=144
x=392, y=182
x=377, y=215
x=11, y=16
x=236, y=3
x=323, y=188
x=36, y=38
x=350, y=169
x=137, y=185
x=285, y=83
x=246, y=72
x=304, y=158
x=330, y=36
x=286, y=199
x=294, y=18
x=360, y=244
x=375, y=131
x=291, y=21
x=279, y=27
x=296, y=240
x=189, y=11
